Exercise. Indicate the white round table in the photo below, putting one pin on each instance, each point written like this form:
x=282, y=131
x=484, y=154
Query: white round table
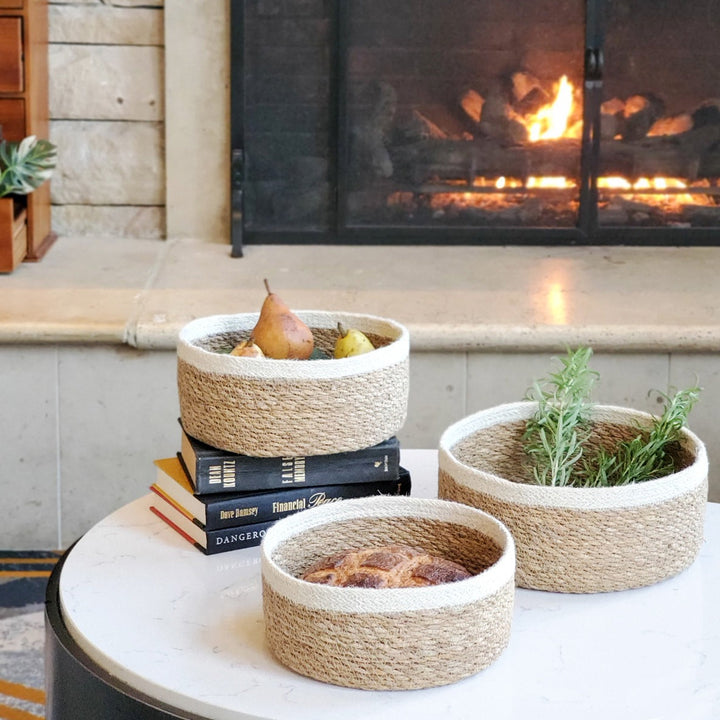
x=137, y=613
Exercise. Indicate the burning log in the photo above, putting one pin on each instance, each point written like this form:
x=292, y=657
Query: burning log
x=682, y=155
x=415, y=127
x=616, y=106
x=528, y=93
x=497, y=121
x=447, y=160
x=611, y=114
x=710, y=163
x=708, y=113
x=369, y=137
x=672, y=125
x=641, y=111
x=472, y=103
x=629, y=121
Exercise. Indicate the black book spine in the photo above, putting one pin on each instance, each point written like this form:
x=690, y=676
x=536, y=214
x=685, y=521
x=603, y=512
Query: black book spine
x=221, y=472
x=236, y=510
x=235, y=538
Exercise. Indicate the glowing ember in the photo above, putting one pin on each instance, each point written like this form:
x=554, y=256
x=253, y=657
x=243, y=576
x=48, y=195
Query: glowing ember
x=614, y=183
x=558, y=183
x=661, y=184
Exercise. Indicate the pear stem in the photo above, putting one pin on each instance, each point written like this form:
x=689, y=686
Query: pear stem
x=341, y=330
x=267, y=286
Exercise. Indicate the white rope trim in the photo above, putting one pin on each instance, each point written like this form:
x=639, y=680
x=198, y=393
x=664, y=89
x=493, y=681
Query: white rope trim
x=381, y=600
x=626, y=496
x=220, y=364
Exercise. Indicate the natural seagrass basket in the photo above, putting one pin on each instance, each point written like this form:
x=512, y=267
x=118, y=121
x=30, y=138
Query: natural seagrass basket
x=579, y=540
x=274, y=408
x=383, y=638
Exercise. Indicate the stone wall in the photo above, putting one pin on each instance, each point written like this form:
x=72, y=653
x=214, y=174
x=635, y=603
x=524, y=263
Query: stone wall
x=106, y=68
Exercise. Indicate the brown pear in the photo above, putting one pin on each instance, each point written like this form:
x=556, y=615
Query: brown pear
x=280, y=333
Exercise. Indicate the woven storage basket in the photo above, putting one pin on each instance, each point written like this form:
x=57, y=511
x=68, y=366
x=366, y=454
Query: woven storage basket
x=273, y=408
x=388, y=639
x=579, y=540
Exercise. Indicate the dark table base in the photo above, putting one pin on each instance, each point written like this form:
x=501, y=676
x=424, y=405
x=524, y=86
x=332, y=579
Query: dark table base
x=77, y=688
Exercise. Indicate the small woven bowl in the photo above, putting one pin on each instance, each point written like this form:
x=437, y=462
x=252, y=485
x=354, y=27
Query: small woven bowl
x=388, y=638
x=273, y=408
x=578, y=540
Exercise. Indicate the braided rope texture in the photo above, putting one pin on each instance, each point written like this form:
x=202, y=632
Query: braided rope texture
x=398, y=650
x=580, y=550
x=273, y=417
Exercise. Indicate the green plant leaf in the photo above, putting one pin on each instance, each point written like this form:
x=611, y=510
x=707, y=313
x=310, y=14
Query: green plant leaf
x=554, y=436
x=647, y=455
x=26, y=165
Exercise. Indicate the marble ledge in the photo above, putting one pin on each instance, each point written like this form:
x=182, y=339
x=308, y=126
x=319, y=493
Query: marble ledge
x=522, y=299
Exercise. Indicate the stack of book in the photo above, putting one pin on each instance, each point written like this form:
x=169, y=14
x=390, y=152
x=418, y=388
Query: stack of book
x=222, y=501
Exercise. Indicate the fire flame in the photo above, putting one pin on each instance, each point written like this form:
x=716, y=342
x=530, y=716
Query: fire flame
x=550, y=122
x=561, y=118
x=556, y=120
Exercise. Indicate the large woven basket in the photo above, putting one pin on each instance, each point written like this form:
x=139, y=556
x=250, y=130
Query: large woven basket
x=273, y=408
x=579, y=540
x=388, y=639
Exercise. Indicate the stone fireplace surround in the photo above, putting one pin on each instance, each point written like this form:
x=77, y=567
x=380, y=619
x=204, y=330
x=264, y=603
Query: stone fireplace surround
x=196, y=114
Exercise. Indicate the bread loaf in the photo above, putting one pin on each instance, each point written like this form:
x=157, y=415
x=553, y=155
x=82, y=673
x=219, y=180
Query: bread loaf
x=390, y=566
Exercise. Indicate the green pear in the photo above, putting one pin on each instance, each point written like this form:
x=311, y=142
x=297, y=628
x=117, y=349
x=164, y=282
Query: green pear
x=351, y=342
x=280, y=333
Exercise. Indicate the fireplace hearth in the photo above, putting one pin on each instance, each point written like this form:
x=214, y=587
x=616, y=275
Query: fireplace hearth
x=475, y=121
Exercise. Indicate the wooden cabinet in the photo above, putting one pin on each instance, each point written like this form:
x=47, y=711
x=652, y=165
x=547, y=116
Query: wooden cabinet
x=13, y=234
x=11, y=55
x=24, y=103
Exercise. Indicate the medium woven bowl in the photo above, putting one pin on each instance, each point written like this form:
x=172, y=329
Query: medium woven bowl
x=273, y=408
x=388, y=639
x=578, y=540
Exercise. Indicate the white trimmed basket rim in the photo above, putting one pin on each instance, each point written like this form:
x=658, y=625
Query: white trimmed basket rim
x=602, y=498
x=224, y=364
x=380, y=600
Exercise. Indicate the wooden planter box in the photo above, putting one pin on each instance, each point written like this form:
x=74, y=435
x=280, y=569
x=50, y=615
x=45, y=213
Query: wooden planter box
x=13, y=234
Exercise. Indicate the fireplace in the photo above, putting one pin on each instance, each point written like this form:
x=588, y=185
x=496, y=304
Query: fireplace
x=475, y=121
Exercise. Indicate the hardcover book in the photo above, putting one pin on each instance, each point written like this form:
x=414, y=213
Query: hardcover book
x=211, y=541
x=218, y=471
x=232, y=509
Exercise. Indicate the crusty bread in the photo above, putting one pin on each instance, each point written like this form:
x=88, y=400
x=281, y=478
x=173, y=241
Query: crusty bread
x=390, y=566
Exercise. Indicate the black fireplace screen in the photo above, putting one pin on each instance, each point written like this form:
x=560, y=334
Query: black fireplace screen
x=476, y=121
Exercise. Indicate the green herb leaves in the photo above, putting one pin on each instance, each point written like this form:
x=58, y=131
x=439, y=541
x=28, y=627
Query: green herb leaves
x=26, y=165
x=555, y=438
x=646, y=456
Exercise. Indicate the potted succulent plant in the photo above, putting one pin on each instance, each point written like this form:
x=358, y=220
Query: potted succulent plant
x=597, y=497
x=24, y=166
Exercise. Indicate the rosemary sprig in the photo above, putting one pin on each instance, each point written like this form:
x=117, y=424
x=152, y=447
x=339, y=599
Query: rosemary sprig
x=553, y=438
x=645, y=456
